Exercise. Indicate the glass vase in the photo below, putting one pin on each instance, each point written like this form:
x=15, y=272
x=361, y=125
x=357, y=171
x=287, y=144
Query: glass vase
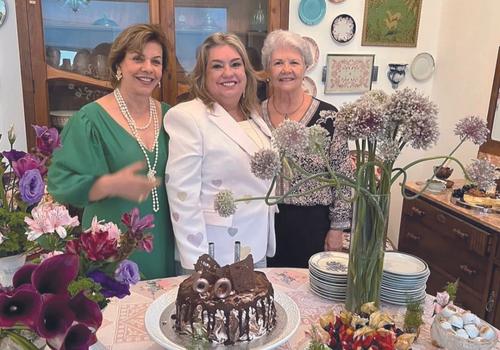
x=8, y=267
x=366, y=252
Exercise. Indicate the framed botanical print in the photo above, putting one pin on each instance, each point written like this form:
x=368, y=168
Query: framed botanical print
x=348, y=73
x=391, y=23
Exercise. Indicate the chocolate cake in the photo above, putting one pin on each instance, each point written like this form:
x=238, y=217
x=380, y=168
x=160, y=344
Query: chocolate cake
x=232, y=303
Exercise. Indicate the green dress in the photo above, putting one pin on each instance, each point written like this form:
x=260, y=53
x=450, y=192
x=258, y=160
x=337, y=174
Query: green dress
x=94, y=144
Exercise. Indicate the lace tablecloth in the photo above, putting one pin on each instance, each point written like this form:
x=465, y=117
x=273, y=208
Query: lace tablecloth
x=123, y=325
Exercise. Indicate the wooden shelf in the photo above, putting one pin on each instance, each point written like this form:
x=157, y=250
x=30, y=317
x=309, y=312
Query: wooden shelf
x=53, y=73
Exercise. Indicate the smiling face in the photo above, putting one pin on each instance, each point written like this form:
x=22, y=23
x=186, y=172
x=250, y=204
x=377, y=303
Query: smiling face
x=225, y=75
x=287, y=69
x=142, y=70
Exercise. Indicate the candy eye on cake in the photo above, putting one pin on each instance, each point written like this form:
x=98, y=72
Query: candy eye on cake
x=222, y=288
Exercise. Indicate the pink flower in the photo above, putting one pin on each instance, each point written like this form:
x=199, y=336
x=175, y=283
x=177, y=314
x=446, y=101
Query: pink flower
x=28, y=162
x=99, y=244
x=146, y=243
x=49, y=218
x=50, y=255
x=442, y=298
x=112, y=229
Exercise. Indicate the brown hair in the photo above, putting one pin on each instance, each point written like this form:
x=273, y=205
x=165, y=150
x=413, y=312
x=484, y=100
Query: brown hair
x=248, y=101
x=133, y=39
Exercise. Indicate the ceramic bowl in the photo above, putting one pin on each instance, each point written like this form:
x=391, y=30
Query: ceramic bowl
x=436, y=185
x=442, y=172
x=448, y=338
x=60, y=118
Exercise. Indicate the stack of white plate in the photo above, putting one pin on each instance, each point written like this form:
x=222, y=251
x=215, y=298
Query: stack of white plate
x=404, y=278
x=328, y=274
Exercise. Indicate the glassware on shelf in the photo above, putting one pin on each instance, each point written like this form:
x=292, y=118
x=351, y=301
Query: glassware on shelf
x=259, y=19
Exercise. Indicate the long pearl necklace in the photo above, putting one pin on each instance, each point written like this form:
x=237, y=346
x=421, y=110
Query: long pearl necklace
x=133, y=127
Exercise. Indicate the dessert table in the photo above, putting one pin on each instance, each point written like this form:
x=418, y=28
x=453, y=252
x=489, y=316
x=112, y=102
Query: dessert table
x=123, y=324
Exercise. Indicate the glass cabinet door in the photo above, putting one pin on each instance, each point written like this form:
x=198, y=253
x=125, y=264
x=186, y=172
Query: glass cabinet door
x=194, y=20
x=77, y=36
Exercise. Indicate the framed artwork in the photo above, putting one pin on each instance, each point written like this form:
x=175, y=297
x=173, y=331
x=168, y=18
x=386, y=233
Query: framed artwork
x=348, y=73
x=391, y=23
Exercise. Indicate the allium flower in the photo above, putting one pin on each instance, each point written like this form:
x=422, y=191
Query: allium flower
x=388, y=150
x=224, y=203
x=360, y=119
x=49, y=218
x=31, y=186
x=265, y=164
x=482, y=173
x=290, y=137
x=127, y=272
x=109, y=286
x=318, y=138
x=472, y=128
x=421, y=130
x=47, y=140
x=376, y=96
x=405, y=103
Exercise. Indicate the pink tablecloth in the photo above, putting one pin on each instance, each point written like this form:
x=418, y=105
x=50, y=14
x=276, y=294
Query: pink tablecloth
x=123, y=325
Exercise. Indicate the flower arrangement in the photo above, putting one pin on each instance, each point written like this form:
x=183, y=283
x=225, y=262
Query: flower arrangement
x=39, y=306
x=22, y=186
x=380, y=126
x=103, y=249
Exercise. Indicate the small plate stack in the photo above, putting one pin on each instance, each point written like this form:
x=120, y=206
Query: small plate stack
x=404, y=278
x=328, y=274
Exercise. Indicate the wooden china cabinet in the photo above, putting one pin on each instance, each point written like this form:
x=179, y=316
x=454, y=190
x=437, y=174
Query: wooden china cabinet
x=64, y=45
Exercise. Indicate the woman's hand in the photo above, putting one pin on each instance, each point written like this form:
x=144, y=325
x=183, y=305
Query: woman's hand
x=124, y=183
x=333, y=240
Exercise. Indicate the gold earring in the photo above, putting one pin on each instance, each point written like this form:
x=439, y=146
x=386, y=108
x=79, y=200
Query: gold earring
x=119, y=74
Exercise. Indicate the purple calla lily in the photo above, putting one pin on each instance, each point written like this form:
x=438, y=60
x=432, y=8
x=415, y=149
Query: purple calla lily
x=23, y=275
x=86, y=311
x=54, y=274
x=55, y=316
x=78, y=337
x=22, y=305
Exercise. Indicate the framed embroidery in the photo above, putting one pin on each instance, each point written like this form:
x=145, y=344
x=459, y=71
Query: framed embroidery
x=348, y=73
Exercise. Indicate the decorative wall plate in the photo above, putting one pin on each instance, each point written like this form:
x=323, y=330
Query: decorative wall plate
x=311, y=12
x=309, y=86
x=3, y=11
x=422, y=66
x=343, y=28
x=314, y=50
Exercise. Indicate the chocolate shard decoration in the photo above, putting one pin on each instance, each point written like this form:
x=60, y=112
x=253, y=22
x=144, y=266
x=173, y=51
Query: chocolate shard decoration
x=207, y=268
x=242, y=276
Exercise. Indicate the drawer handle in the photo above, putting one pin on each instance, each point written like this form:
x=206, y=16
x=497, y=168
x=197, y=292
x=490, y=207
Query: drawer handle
x=466, y=269
x=441, y=218
x=460, y=234
x=417, y=211
x=413, y=236
x=491, y=302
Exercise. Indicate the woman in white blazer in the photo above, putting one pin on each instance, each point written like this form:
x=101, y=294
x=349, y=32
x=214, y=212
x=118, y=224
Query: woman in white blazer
x=211, y=141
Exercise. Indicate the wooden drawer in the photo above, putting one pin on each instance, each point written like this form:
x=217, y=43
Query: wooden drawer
x=458, y=233
x=466, y=298
x=447, y=252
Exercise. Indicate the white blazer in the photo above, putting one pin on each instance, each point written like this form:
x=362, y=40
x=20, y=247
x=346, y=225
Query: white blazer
x=209, y=152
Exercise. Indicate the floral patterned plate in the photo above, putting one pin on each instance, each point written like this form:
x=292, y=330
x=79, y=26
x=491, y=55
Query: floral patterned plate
x=343, y=28
x=330, y=262
x=309, y=86
x=314, y=50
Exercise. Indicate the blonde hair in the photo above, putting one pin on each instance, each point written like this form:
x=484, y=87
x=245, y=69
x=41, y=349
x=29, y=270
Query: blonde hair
x=134, y=38
x=248, y=101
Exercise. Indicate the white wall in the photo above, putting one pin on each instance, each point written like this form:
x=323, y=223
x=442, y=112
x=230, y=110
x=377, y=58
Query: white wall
x=11, y=96
x=428, y=41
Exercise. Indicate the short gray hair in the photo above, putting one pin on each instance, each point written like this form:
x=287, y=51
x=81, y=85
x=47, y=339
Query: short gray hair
x=280, y=39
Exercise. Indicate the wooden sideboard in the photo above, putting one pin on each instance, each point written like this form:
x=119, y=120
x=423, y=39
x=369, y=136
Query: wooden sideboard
x=456, y=243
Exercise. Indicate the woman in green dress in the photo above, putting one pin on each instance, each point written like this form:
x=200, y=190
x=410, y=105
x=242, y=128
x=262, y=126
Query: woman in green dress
x=115, y=151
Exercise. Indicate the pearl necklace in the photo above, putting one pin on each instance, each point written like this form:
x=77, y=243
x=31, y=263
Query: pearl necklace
x=147, y=124
x=286, y=113
x=133, y=127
